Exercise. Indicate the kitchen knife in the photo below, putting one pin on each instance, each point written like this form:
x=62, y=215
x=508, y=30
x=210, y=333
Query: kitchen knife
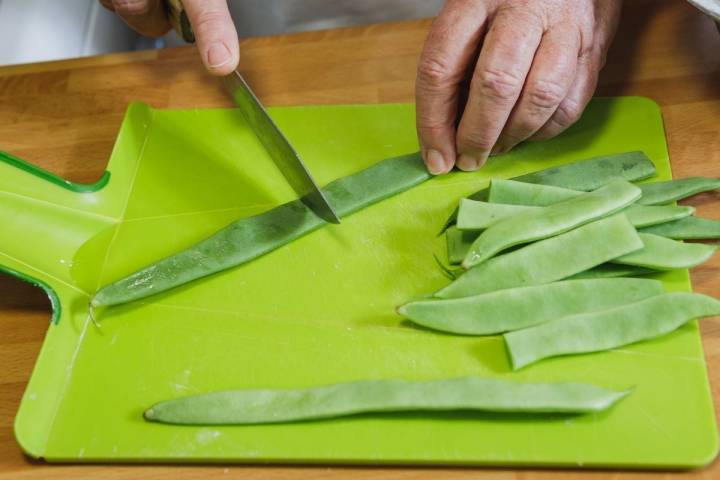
x=280, y=150
x=272, y=138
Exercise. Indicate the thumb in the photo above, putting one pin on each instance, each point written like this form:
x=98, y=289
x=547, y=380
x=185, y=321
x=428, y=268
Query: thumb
x=215, y=34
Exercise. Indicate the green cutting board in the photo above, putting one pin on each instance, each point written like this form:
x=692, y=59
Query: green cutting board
x=317, y=311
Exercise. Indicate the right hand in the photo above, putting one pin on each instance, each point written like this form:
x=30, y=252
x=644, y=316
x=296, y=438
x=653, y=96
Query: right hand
x=532, y=64
x=215, y=34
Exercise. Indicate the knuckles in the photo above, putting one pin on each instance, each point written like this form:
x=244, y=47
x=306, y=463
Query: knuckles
x=498, y=84
x=545, y=94
x=433, y=72
x=568, y=112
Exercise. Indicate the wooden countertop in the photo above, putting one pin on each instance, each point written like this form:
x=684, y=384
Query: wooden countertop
x=64, y=116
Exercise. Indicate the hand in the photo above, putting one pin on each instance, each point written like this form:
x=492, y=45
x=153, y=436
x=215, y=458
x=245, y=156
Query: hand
x=214, y=30
x=536, y=71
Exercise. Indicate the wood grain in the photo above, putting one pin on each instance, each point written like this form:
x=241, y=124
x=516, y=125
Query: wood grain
x=64, y=116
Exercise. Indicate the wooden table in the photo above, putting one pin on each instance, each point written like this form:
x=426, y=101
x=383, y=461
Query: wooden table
x=65, y=115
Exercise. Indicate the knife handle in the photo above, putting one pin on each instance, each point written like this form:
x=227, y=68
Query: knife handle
x=179, y=20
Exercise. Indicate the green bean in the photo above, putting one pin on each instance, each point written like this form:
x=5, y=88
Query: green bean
x=552, y=220
x=551, y=259
x=688, y=228
x=249, y=238
x=645, y=215
x=660, y=253
x=515, y=308
x=615, y=327
x=665, y=192
x=458, y=243
x=583, y=175
x=474, y=215
x=611, y=270
x=250, y=407
x=512, y=192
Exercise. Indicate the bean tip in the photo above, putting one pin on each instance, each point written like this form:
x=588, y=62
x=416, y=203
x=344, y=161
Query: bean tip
x=149, y=414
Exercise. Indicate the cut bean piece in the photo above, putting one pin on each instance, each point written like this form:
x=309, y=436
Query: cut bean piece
x=248, y=407
x=513, y=192
x=515, y=308
x=688, y=228
x=249, y=238
x=646, y=215
x=611, y=270
x=551, y=259
x=458, y=243
x=597, y=331
x=475, y=215
x=585, y=175
x=659, y=193
x=548, y=221
x=660, y=253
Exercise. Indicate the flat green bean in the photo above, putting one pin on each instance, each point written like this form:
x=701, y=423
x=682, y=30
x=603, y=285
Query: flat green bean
x=646, y=215
x=585, y=175
x=660, y=253
x=615, y=327
x=249, y=238
x=475, y=215
x=688, y=228
x=611, y=270
x=551, y=259
x=458, y=243
x=515, y=308
x=512, y=192
x=658, y=193
x=249, y=407
x=551, y=220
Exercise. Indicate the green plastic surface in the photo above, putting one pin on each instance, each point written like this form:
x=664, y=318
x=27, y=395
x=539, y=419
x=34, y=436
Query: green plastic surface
x=317, y=311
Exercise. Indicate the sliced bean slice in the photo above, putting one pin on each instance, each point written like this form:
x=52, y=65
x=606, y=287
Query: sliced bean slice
x=249, y=238
x=660, y=253
x=551, y=259
x=585, y=175
x=597, y=331
x=658, y=193
x=515, y=308
x=249, y=407
x=458, y=243
x=475, y=215
x=611, y=270
x=688, y=228
x=552, y=220
x=513, y=192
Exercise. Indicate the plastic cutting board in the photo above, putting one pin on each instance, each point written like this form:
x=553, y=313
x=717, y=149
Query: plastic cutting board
x=317, y=311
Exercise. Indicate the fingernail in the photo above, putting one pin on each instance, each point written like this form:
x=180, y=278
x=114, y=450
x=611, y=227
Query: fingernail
x=218, y=55
x=467, y=163
x=435, y=162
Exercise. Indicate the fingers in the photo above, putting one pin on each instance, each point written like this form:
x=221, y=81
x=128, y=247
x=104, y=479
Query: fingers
x=502, y=67
x=215, y=34
x=548, y=83
x=144, y=16
x=572, y=106
x=449, y=49
x=590, y=62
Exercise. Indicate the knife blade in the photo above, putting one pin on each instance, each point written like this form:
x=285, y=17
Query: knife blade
x=279, y=148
